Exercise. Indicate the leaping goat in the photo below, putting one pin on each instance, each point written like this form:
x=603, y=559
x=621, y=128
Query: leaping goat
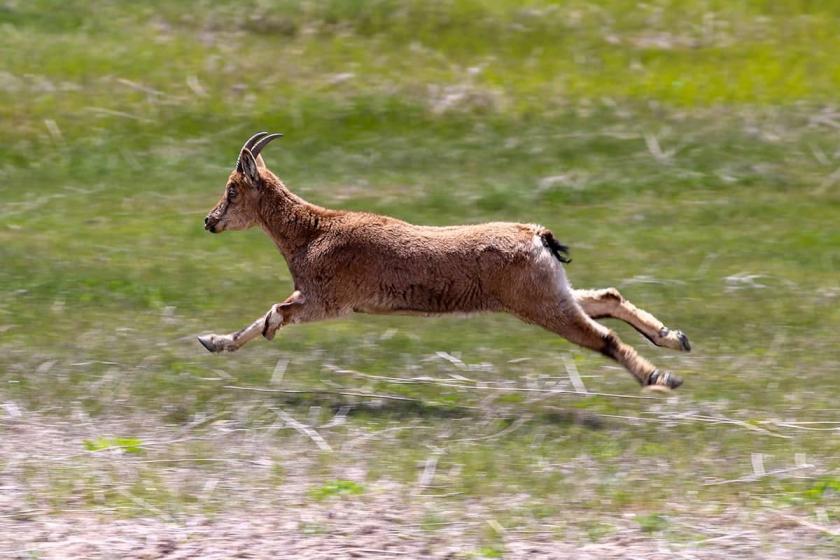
x=343, y=262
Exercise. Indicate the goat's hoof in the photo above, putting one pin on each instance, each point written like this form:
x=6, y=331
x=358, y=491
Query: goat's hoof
x=675, y=340
x=659, y=380
x=684, y=343
x=211, y=343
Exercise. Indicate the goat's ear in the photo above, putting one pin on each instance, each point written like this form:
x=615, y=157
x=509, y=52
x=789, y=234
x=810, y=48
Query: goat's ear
x=247, y=165
x=260, y=162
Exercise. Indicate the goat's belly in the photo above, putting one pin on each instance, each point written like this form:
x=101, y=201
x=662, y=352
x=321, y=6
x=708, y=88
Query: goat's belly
x=419, y=299
x=374, y=310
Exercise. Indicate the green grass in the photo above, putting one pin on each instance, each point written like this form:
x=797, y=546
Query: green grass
x=119, y=123
x=336, y=488
x=128, y=445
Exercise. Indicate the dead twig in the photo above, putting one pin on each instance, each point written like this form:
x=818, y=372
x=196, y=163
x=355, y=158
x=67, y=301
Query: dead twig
x=515, y=425
x=724, y=537
x=801, y=426
x=809, y=524
x=574, y=375
x=302, y=428
x=429, y=468
x=655, y=149
x=757, y=476
x=722, y=420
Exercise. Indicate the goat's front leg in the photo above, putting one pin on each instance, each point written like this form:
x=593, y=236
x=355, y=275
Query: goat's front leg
x=236, y=340
x=292, y=310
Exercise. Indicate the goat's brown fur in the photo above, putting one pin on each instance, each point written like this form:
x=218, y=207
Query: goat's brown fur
x=343, y=262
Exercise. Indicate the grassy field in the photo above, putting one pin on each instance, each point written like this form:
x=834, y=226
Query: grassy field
x=687, y=151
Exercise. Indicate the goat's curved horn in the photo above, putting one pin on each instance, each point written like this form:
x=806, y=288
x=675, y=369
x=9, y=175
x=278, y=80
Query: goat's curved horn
x=253, y=140
x=249, y=144
x=263, y=142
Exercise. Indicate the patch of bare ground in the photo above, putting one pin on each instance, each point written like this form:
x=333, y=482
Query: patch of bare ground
x=379, y=526
x=58, y=500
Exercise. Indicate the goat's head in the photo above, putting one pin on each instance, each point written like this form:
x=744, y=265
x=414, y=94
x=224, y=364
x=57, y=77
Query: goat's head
x=237, y=209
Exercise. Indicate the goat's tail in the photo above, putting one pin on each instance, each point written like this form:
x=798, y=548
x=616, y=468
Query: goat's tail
x=557, y=249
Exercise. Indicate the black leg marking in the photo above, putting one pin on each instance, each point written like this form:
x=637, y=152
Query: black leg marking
x=610, y=348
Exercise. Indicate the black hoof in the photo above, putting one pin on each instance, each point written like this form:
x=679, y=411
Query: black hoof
x=686, y=345
x=209, y=346
x=674, y=381
x=664, y=379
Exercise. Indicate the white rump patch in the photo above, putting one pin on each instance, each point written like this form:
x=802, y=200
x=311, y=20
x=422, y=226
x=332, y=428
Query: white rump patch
x=545, y=258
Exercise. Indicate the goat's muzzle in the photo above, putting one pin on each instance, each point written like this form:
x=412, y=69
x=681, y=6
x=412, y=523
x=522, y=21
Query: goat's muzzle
x=210, y=224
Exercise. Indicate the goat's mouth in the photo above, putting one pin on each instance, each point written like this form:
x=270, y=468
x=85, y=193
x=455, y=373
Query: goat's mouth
x=212, y=225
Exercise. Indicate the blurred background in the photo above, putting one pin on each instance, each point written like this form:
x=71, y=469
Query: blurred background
x=688, y=152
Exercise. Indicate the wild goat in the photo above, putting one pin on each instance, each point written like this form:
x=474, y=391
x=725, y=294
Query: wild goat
x=343, y=262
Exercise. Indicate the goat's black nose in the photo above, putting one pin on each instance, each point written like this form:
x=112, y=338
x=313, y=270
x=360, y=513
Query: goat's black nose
x=206, y=219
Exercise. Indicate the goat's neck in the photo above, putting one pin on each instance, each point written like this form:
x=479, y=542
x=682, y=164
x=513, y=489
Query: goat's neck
x=291, y=222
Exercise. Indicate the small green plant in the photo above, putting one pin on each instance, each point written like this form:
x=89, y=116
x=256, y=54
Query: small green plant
x=492, y=538
x=278, y=473
x=491, y=551
x=823, y=488
x=128, y=445
x=597, y=530
x=336, y=488
x=652, y=523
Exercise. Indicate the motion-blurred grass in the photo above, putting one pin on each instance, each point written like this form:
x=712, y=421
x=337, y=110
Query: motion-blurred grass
x=687, y=151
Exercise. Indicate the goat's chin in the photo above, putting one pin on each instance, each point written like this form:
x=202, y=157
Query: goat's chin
x=233, y=226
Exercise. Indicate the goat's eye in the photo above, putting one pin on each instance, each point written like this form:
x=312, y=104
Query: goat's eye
x=231, y=193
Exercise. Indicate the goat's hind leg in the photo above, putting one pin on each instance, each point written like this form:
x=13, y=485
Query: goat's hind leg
x=610, y=303
x=565, y=317
x=262, y=326
x=577, y=327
